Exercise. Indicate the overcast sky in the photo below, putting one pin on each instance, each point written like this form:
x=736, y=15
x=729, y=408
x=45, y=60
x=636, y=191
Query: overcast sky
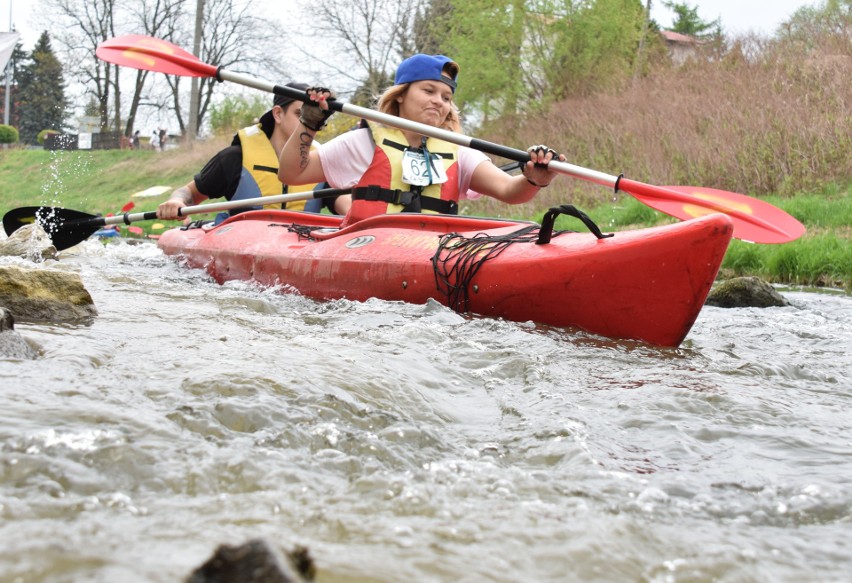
x=738, y=16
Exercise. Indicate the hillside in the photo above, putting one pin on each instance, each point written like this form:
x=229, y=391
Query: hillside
x=767, y=117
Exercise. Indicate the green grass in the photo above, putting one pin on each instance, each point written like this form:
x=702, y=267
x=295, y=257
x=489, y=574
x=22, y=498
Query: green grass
x=96, y=182
x=819, y=260
x=101, y=181
x=104, y=181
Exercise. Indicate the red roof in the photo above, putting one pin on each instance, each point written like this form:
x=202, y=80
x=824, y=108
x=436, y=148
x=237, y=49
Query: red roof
x=676, y=37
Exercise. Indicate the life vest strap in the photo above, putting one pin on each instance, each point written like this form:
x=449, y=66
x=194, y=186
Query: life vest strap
x=377, y=193
x=405, y=198
x=444, y=207
x=404, y=147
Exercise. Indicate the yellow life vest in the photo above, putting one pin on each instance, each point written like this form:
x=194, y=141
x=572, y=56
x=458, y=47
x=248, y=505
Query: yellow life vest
x=260, y=170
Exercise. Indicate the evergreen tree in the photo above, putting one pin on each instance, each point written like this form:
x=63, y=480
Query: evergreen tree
x=688, y=22
x=371, y=88
x=42, y=104
x=93, y=108
x=429, y=31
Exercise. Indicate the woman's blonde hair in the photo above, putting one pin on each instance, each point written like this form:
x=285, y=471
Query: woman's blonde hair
x=388, y=104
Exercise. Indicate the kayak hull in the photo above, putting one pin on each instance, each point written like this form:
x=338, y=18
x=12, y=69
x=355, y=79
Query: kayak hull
x=646, y=284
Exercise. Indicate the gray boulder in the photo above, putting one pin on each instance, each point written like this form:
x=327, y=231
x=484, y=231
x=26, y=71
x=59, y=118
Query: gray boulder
x=12, y=344
x=29, y=242
x=45, y=295
x=745, y=292
x=255, y=562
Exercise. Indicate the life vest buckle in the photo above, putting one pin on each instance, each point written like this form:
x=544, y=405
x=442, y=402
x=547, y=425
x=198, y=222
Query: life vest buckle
x=377, y=193
x=402, y=197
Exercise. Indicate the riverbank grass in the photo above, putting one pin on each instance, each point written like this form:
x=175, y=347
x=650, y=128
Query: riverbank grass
x=102, y=182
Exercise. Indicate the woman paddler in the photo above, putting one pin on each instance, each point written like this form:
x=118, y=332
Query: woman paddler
x=395, y=170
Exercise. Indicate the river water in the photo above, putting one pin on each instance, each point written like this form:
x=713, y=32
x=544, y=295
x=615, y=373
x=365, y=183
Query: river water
x=408, y=443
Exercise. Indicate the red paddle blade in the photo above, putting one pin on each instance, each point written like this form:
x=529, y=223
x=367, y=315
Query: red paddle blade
x=152, y=54
x=754, y=220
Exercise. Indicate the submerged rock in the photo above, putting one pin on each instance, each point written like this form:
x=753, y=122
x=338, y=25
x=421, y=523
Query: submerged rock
x=745, y=292
x=7, y=321
x=255, y=562
x=12, y=344
x=29, y=242
x=45, y=295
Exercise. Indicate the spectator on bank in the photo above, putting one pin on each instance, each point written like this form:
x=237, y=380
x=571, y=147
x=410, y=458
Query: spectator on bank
x=155, y=140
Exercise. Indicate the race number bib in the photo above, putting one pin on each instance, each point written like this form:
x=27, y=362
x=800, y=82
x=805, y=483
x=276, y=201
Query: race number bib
x=416, y=172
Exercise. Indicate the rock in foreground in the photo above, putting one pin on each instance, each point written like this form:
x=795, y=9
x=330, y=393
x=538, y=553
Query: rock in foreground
x=29, y=242
x=12, y=344
x=255, y=562
x=745, y=292
x=45, y=295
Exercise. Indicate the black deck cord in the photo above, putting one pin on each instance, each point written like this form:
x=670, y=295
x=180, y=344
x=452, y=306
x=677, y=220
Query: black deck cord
x=196, y=224
x=617, y=182
x=303, y=232
x=463, y=256
x=546, y=232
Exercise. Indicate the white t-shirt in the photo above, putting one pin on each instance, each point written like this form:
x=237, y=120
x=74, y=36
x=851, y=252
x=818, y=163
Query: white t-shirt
x=345, y=159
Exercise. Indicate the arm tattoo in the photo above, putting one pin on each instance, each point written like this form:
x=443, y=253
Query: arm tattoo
x=305, y=140
x=182, y=194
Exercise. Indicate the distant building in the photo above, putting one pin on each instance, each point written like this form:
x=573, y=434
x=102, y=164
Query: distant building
x=681, y=46
x=89, y=124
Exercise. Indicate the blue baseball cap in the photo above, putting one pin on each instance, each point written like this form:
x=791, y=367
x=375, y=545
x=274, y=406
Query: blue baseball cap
x=422, y=67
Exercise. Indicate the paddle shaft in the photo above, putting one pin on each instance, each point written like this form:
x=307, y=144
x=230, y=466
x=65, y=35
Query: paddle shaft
x=615, y=182
x=215, y=207
x=422, y=129
x=773, y=226
x=146, y=52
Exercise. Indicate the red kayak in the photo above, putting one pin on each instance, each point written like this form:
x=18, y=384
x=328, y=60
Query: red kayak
x=646, y=284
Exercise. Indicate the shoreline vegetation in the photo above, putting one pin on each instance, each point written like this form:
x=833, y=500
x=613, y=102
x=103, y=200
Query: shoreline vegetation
x=769, y=118
x=102, y=182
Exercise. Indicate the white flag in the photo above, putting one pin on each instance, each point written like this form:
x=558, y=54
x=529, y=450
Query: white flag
x=7, y=45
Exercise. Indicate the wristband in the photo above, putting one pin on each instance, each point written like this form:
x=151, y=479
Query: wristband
x=310, y=127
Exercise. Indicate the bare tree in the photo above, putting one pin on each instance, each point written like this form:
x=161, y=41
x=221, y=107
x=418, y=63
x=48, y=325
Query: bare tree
x=236, y=36
x=82, y=25
x=157, y=18
x=233, y=38
x=370, y=37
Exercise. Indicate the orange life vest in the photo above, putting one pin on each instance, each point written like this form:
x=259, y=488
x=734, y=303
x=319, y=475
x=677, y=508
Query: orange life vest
x=381, y=189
